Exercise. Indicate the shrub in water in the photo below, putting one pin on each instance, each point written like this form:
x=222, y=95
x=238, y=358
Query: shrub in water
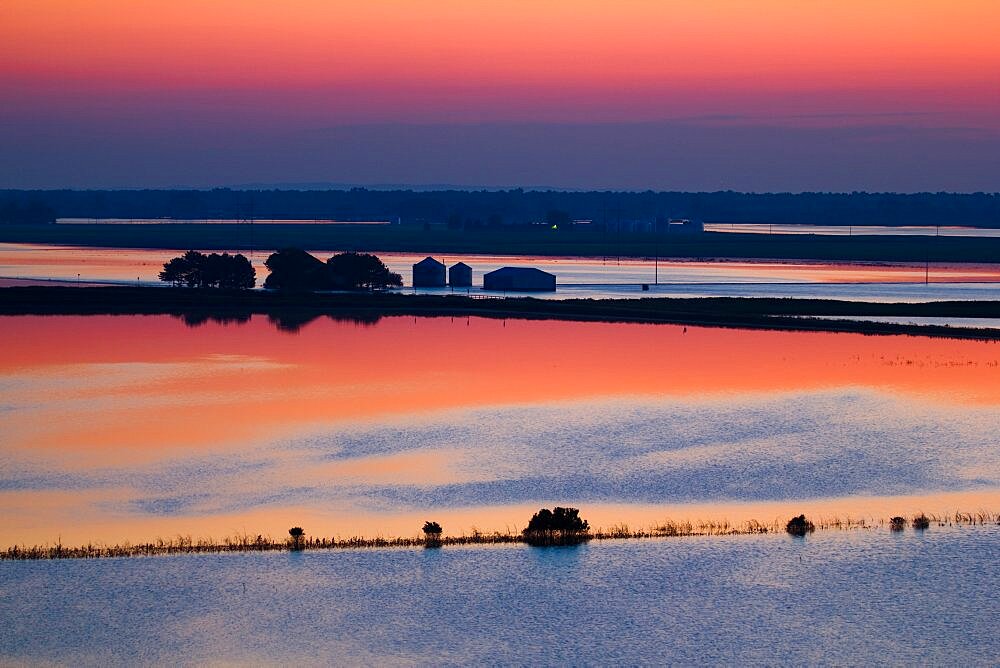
x=432, y=534
x=921, y=522
x=897, y=524
x=559, y=526
x=799, y=526
x=296, y=533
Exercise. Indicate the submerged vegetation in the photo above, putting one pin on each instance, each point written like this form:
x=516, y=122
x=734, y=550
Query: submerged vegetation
x=667, y=529
x=560, y=526
x=298, y=537
x=799, y=526
x=432, y=534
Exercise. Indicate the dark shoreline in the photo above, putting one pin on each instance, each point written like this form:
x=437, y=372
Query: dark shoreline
x=517, y=241
x=196, y=306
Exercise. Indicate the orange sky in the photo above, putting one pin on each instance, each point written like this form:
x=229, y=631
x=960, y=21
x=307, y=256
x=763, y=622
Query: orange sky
x=835, y=94
x=580, y=45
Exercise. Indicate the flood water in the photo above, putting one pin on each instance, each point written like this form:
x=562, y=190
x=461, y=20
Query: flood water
x=836, y=598
x=576, y=277
x=120, y=428
x=856, y=230
x=134, y=427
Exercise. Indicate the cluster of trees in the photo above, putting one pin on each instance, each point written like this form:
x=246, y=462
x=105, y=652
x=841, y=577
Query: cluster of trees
x=295, y=269
x=559, y=526
x=31, y=213
x=197, y=270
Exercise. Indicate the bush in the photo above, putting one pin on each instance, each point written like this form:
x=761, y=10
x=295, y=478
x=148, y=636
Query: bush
x=897, y=523
x=921, y=522
x=432, y=534
x=297, y=535
x=361, y=271
x=560, y=526
x=799, y=526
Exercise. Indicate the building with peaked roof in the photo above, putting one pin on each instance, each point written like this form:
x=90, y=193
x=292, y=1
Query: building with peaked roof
x=428, y=273
x=519, y=279
x=460, y=275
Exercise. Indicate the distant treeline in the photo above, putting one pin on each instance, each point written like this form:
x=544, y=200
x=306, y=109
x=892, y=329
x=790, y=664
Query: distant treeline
x=29, y=212
x=487, y=208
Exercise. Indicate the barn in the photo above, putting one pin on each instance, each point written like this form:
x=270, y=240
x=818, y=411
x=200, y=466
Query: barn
x=460, y=275
x=518, y=279
x=428, y=273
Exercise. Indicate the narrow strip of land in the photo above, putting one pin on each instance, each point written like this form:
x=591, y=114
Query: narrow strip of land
x=536, y=241
x=665, y=529
x=198, y=305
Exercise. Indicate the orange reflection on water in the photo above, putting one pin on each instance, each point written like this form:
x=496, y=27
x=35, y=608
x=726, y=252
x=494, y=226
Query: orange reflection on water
x=40, y=518
x=173, y=387
x=126, y=394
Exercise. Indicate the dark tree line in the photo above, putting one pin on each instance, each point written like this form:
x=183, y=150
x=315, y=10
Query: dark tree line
x=197, y=270
x=29, y=213
x=295, y=269
x=461, y=209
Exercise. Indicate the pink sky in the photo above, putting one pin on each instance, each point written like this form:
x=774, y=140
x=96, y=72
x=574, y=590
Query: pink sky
x=138, y=73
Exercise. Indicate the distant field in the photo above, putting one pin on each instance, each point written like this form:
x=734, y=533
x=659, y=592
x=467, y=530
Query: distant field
x=512, y=241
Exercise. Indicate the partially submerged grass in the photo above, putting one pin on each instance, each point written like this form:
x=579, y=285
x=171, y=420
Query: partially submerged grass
x=182, y=544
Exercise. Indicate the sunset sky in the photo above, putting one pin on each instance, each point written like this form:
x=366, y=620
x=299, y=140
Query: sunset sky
x=636, y=94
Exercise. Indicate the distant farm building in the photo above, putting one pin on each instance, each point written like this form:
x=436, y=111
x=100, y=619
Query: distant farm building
x=428, y=273
x=518, y=279
x=460, y=275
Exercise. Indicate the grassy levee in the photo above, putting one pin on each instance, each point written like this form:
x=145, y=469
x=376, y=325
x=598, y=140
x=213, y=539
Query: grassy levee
x=511, y=241
x=262, y=543
x=198, y=305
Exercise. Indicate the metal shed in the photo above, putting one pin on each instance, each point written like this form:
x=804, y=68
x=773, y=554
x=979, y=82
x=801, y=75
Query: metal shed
x=519, y=279
x=428, y=273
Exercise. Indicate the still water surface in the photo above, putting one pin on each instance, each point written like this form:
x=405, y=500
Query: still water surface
x=133, y=427
x=835, y=598
x=576, y=277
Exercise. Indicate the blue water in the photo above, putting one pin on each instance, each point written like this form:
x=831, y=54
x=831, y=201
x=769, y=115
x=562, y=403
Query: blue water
x=835, y=598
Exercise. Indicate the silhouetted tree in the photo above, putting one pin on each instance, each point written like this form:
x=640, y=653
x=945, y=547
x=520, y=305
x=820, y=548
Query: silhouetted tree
x=353, y=271
x=194, y=269
x=297, y=535
x=559, y=526
x=295, y=269
x=183, y=270
x=432, y=534
x=799, y=526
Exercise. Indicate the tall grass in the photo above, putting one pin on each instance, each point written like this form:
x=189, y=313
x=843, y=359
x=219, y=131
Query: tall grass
x=185, y=544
